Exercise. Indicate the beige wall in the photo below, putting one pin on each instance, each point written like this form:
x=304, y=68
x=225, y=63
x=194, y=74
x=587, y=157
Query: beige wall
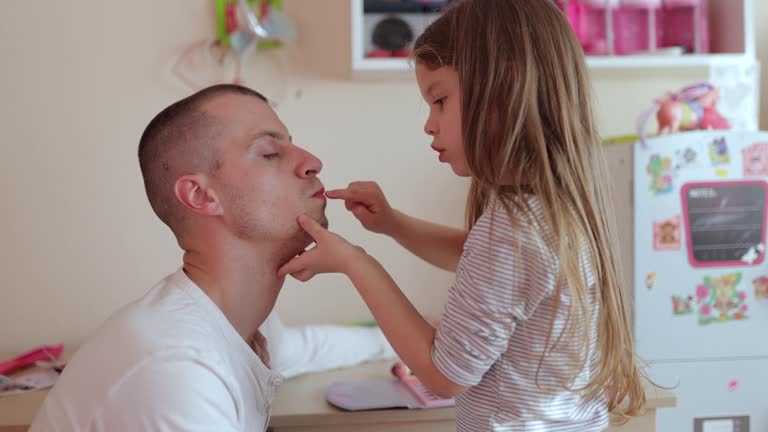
x=80, y=80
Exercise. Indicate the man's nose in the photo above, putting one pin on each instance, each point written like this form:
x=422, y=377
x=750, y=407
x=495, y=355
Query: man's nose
x=309, y=166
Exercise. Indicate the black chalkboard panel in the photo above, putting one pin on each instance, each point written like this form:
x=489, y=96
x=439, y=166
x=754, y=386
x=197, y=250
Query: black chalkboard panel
x=725, y=222
x=403, y=6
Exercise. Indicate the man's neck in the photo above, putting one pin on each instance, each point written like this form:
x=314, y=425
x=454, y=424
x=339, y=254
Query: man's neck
x=240, y=280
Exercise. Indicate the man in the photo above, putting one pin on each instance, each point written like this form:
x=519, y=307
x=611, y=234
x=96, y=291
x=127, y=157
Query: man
x=221, y=170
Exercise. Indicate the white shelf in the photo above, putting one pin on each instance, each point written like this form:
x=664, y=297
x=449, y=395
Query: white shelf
x=597, y=62
x=731, y=28
x=403, y=68
x=661, y=61
x=383, y=64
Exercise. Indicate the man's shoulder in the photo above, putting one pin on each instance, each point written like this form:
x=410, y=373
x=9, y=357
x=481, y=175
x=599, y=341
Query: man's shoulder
x=151, y=351
x=165, y=320
x=170, y=389
x=123, y=363
x=165, y=317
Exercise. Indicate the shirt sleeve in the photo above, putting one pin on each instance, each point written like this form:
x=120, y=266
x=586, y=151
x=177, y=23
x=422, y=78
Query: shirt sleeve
x=499, y=283
x=169, y=395
x=296, y=350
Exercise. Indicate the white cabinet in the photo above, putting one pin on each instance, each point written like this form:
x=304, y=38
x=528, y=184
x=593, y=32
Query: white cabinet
x=724, y=393
x=730, y=26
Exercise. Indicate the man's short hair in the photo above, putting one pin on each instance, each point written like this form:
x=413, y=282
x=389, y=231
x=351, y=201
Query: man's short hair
x=180, y=140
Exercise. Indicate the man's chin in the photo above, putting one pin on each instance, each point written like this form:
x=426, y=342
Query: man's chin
x=302, y=240
x=323, y=221
x=319, y=217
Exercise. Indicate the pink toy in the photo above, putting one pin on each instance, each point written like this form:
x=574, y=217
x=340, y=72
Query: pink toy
x=42, y=354
x=425, y=397
x=404, y=392
x=692, y=108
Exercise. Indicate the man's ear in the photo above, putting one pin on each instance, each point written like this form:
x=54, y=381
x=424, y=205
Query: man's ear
x=195, y=193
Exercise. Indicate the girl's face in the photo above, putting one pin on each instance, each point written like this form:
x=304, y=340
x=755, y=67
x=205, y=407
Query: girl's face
x=440, y=89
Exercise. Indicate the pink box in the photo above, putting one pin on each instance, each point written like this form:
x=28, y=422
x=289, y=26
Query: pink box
x=589, y=19
x=685, y=25
x=596, y=36
x=638, y=25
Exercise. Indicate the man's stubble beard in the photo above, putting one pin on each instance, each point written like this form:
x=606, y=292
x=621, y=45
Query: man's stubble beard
x=300, y=241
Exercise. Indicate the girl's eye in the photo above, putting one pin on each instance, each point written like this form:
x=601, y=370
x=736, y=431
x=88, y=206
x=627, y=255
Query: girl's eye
x=439, y=102
x=271, y=156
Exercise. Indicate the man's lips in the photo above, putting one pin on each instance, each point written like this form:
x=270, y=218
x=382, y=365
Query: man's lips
x=319, y=194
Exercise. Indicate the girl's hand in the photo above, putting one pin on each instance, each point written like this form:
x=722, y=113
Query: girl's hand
x=367, y=202
x=331, y=254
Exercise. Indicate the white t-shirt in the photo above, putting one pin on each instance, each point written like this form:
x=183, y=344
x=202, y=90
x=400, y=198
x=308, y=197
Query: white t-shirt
x=298, y=350
x=170, y=361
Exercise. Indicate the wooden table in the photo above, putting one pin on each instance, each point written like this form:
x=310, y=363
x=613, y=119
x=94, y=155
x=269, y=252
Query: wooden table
x=300, y=406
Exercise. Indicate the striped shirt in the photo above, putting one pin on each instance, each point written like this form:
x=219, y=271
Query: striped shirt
x=495, y=327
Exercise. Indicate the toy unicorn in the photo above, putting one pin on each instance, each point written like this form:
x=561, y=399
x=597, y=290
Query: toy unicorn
x=692, y=108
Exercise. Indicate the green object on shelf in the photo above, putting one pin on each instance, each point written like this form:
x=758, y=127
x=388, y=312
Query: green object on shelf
x=621, y=139
x=223, y=7
x=362, y=324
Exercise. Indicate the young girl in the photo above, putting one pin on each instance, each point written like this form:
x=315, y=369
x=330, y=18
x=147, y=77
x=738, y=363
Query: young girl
x=535, y=335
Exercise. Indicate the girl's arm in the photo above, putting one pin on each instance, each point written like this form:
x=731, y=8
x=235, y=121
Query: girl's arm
x=409, y=333
x=436, y=244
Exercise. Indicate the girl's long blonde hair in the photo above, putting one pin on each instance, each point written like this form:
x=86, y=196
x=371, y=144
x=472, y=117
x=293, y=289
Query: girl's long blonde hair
x=527, y=126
